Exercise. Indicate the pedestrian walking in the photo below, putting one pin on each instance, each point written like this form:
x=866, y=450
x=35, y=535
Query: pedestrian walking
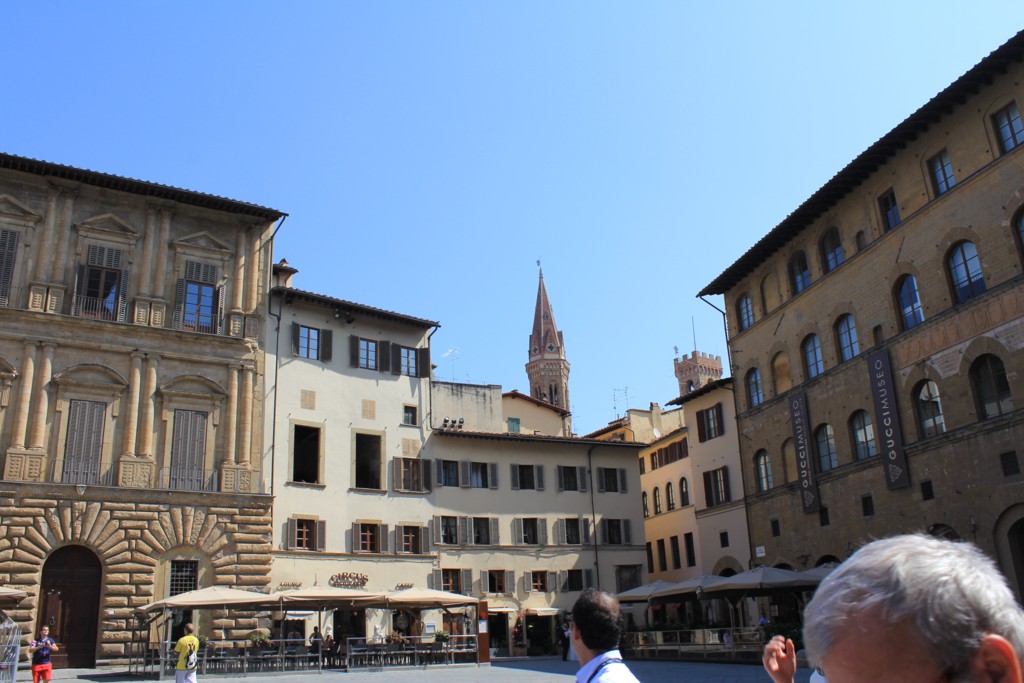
x=40, y=648
x=187, y=649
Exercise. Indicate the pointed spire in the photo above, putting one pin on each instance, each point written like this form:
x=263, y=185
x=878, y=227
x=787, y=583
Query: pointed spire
x=545, y=340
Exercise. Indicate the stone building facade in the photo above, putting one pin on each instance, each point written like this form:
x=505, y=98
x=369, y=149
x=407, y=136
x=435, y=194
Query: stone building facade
x=131, y=365
x=384, y=477
x=877, y=338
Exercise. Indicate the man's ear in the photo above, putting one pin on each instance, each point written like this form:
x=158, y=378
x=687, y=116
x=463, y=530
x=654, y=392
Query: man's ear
x=996, y=661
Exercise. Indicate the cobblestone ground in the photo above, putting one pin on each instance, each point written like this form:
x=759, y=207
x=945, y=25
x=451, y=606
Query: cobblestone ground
x=544, y=670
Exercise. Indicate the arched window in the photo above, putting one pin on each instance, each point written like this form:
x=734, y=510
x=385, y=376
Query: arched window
x=781, y=377
x=764, y=471
x=754, y=395
x=965, y=272
x=684, y=492
x=831, y=250
x=647, y=511
x=929, y=409
x=813, y=365
x=826, y=447
x=670, y=496
x=657, y=500
x=863, y=435
x=991, y=390
x=799, y=274
x=745, y=312
x=846, y=338
x=908, y=302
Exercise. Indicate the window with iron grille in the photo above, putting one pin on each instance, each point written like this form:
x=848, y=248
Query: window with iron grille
x=184, y=576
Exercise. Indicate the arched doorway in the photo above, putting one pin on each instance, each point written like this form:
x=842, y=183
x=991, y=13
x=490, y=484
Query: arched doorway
x=70, y=604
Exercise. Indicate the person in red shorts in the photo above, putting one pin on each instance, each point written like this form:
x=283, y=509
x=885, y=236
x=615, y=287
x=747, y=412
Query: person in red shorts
x=42, y=669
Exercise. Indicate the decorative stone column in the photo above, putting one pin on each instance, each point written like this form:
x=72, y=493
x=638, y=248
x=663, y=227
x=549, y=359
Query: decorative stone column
x=21, y=463
x=133, y=470
x=37, y=433
x=148, y=410
x=235, y=473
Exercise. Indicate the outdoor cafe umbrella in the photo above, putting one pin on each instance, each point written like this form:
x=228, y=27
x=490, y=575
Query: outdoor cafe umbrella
x=10, y=597
x=698, y=584
x=426, y=598
x=212, y=597
x=642, y=593
x=761, y=579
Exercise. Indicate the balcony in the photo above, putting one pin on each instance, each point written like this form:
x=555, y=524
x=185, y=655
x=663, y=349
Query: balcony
x=104, y=473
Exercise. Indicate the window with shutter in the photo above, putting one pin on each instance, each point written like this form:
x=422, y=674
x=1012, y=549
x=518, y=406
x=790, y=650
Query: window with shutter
x=83, y=447
x=8, y=253
x=188, y=451
x=99, y=288
x=200, y=299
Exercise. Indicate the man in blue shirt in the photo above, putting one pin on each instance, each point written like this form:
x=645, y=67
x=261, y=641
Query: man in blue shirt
x=42, y=669
x=596, y=629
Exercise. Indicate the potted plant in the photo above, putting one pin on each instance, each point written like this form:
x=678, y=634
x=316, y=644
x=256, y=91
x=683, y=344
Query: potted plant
x=395, y=638
x=442, y=636
x=258, y=639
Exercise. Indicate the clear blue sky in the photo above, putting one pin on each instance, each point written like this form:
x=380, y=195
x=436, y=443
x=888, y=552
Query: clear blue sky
x=430, y=152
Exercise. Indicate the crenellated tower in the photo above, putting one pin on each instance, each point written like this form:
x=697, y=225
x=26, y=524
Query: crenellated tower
x=547, y=368
x=697, y=369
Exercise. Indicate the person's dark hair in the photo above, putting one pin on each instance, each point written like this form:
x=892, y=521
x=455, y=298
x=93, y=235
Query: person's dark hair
x=599, y=620
x=189, y=628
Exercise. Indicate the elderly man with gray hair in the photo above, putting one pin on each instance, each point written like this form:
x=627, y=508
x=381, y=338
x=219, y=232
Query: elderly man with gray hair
x=910, y=608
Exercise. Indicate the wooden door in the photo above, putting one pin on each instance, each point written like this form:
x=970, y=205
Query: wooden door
x=70, y=605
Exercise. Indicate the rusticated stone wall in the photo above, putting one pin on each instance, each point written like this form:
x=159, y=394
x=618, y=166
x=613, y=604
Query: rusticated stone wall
x=132, y=532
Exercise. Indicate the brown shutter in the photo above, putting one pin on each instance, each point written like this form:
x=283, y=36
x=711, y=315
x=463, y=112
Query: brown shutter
x=425, y=473
x=436, y=576
x=514, y=470
x=725, y=481
x=721, y=421
x=291, y=532
x=179, y=304
x=581, y=478
x=326, y=343
x=383, y=355
x=396, y=359
x=353, y=350
x=627, y=537
x=439, y=472
x=560, y=532
x=218, y=305
x=702, y=434
x=383, y=544
x=485, y=581
x=356, y=544
x=423, y=362
x=465, y=468
x=492, y=475
x=538, y=477
x=296, y=335
x=495, y=531
x=622, y=480
x=600, y=480
x=467, y=582
x=510, y=581
x=321, y=534
x=709, y=495
x=552, y=582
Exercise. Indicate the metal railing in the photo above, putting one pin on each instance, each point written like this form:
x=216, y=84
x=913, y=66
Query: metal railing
x=82, y=471
x=369, y=653
x=93, y=307
x=187, y=479
x=727, y=642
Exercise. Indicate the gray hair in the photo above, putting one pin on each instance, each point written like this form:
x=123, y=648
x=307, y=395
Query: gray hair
x=950, y=592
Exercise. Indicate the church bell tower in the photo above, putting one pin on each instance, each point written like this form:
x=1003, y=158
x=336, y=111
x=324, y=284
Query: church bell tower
x=547, y=368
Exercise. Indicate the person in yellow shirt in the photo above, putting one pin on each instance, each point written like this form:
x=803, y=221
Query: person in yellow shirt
x=188, y=656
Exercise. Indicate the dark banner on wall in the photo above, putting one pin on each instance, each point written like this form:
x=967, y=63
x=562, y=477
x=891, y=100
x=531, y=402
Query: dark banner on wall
x=802, y=441
x=888, y=420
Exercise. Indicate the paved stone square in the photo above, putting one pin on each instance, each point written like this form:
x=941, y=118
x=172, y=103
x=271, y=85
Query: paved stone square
x=545, y=670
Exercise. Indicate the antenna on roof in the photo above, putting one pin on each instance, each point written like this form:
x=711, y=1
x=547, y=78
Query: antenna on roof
x=694, y=328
